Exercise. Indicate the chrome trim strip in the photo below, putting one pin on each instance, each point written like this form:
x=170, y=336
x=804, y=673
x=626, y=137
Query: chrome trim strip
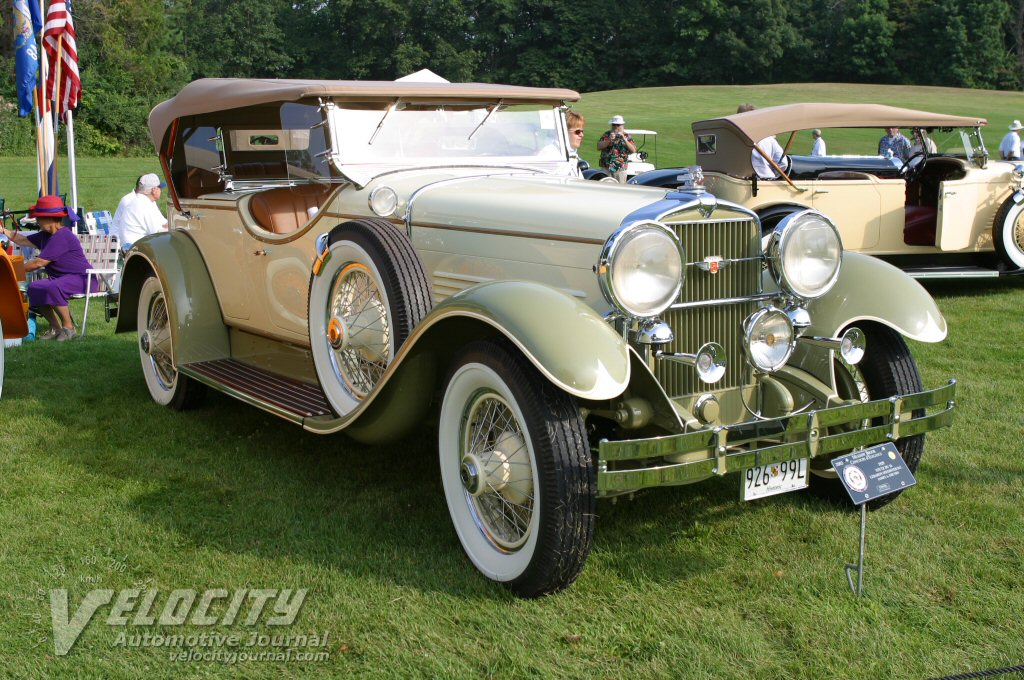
x=725, y=301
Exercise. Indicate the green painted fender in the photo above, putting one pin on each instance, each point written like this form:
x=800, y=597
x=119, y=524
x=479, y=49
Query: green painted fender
x=564, y=338
x=198, y=332
x=872, y=290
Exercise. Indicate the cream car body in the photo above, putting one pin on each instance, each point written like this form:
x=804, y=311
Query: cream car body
x=952, y=212
x=343, y=252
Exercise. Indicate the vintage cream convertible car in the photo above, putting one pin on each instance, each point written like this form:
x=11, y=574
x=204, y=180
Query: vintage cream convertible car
x=942, y=213
x=360, y=256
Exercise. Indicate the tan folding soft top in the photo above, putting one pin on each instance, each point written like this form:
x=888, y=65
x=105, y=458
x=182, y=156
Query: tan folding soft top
x=731, y=138
x=215, y=94
x=758, y=124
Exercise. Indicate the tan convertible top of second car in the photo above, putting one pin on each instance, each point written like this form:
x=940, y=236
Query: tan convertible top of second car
x=758, y=124
x=217, y=94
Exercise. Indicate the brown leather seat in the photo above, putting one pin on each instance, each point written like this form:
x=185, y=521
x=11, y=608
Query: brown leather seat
x=284, y=210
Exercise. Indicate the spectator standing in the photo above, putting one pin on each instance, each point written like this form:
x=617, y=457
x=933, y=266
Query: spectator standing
x=894, y=145
x=1009, y=148
x=137, y=213
x=922, y=143
x=60, y=253
x=771, y=148
x=615, y=146
x=819, y=143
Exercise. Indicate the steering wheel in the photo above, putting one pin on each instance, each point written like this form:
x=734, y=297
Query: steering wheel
x=914, y=165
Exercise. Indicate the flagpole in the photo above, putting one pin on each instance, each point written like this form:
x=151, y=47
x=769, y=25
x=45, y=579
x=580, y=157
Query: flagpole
x=43, y=71
x=37, y=116
x=71, y=161
x=56, y=109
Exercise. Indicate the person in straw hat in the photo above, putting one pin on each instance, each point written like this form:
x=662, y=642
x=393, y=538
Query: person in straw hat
x=615, y=147
x=1009, y=148
x=60, y=253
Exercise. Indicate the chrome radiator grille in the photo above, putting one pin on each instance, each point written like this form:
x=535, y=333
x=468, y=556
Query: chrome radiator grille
x=721, y=323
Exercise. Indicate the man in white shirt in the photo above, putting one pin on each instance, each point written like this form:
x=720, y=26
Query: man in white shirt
x=1009, y=148
x=773, y=150
x=819, y=144
x=771, y=147
x=137, y=213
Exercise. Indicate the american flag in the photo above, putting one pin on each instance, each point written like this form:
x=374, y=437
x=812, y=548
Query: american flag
x=59, y=42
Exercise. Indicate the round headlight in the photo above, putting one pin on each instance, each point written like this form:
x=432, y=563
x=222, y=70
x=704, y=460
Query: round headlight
x=768, y=334
x=805, y=252
x=641, y=269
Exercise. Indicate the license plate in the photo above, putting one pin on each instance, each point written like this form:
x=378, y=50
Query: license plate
x=769, y=480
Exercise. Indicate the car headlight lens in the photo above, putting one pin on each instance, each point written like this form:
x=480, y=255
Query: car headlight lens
x=768, y=335
x=805, y=253
x=641, y=269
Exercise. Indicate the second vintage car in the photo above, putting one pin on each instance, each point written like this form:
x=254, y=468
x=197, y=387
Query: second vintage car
x=342, y=252
x=946, y=210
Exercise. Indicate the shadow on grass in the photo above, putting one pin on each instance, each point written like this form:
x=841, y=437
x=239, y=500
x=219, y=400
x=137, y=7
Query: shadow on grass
x=228, y=477
x=972, y=287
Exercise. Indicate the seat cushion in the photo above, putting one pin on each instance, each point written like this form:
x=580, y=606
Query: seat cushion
x=919, y=225
x=284, y=210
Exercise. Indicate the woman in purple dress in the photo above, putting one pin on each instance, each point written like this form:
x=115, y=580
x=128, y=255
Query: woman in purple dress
x=60, y=252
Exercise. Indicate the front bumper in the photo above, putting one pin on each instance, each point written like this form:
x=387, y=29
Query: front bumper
x=630, y=465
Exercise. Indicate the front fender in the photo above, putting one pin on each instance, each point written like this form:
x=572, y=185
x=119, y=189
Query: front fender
x=198, y=332
x=872, y=290
x=564, y=338
x=568, y=342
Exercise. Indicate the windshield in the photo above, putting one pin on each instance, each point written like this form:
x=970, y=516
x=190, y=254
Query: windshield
x=427, y=134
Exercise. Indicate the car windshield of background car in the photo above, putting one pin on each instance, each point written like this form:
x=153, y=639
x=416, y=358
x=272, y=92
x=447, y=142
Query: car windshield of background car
x=446, y=134
x=959, y=142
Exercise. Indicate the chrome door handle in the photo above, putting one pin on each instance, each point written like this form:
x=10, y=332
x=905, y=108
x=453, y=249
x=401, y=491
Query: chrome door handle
x=949, y=193
x=821, y=191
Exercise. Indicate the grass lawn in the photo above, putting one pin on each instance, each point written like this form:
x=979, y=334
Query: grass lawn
x=103, y=489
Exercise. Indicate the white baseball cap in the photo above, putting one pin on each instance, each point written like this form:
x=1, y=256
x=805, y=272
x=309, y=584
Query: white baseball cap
x=617, y=120
x=150, y=181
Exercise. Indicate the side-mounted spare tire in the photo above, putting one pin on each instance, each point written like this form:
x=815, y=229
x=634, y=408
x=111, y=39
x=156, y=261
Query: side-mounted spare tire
x=369, y=295
x=1008, y=233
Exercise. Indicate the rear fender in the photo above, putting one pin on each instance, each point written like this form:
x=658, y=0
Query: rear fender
x=198, y=332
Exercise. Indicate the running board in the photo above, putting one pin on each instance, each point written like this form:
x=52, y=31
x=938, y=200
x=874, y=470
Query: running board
x=958, y=272
x=284, y=397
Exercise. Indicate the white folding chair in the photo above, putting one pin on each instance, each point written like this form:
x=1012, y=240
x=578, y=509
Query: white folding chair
x=102, y=251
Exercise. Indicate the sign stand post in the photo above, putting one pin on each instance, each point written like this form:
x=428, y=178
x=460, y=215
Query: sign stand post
x=866, y=475
x=859, y=567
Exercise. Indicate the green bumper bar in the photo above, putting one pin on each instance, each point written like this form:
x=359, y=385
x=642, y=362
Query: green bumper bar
x=733, y=448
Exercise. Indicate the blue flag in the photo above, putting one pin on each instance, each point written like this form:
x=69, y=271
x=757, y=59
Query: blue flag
x=27, y=23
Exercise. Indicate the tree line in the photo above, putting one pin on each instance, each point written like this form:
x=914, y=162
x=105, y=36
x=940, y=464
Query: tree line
x=135, y=53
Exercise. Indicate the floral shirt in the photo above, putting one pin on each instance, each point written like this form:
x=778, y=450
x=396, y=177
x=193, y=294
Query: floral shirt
x=615, y=156
x=898, y=144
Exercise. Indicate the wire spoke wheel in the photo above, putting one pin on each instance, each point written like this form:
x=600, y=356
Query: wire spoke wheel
x=1008, y=233
x=366, y=300
x=516, y=470
x=358, y=306
x=498, y=466
x=156, y=352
